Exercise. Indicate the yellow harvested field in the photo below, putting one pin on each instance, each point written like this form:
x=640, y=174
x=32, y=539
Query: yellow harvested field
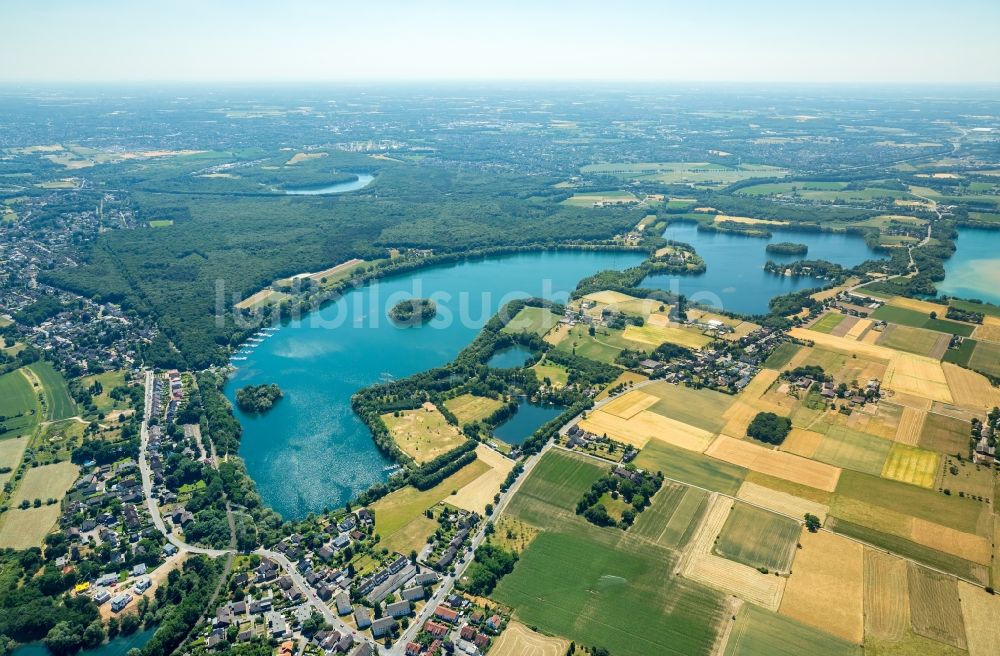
x=943, y=538
x=557, y=334
x=608, y=297
x=989, y=331
x=910, y=401
x=781, y=502
x=11, y=452
x=926, y=307
x=424, y=433
x=911, y=422
x=303, y=157
x=887, y=598
x=656, y=335
x=827, y=567
x=469, y=407
x=475, y=495
x=858, y=329
x=519, y=640
x=23, y=529
x=699, y=563
x=970, y=389
x=659, y=320
x=255, y=300
x=625, y=377
x=45, y=482
x=334, y=270
x=935, y=607
x=629, y=405
x=980, y=610
x=915, y=374
x=760, y=384
x=741, y=330
x=738, y=417
x=911, y=465
x=870, y=337
x=645, y=426
x=775, y=463
x=802, y=442
x=748, y=220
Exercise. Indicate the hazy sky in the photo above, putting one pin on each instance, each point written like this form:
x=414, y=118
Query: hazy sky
x=694, y=40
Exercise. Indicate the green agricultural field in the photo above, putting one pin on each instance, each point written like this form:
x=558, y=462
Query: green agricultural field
x=851, y=449
x=695, y=173
x=759, y=632
x=468, y=408
x=532, y=320
x=758, y=538
x=698, y=407
x=19, y=404
x=909, y=339
x=590, y=198
x=907, y=317
x=910, y=644
x=959, y=514
x=161, y=223
x=827, y=322
x=782, y=355
x=672, y=515
x=60, y=404
x=986, y=358
x=963, y=354
x=554, y=487
x=690, y=467
x=945, y=434
x=596, y=588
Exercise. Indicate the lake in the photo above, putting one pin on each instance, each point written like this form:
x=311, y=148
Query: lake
x=362, y=181
x=974, y=270
x=311, y=451
x=119, y=646
x=528, y=418
x=510, y=357
x=735, y=279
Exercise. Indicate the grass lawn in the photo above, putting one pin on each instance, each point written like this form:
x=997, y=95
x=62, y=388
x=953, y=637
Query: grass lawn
x=161, y=223
x=554, y=372
x=533, y=320
x=698, y=407
x=60, y=404
x=691, y=467
x=603, y=346
x=827, y=322
x=22, y=529
x=423, y=434
x=597, y=589
x=45, y=482
x=469, y=407
x=396, y=510
x=19, y=403
x=108, y=380
x=759, y=632
x=907, y=317
x=758, y=538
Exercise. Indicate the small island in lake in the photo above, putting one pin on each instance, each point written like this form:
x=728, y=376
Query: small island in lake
x=787, y=248
x=413, y=311
x=258, y=398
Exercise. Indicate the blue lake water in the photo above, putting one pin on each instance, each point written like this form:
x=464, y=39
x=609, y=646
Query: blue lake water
x=735, y=279
x=510, y=358
x=311, y=451
x=363, y=181
x=119, y=646
x=528, y=418
x=974, y=270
